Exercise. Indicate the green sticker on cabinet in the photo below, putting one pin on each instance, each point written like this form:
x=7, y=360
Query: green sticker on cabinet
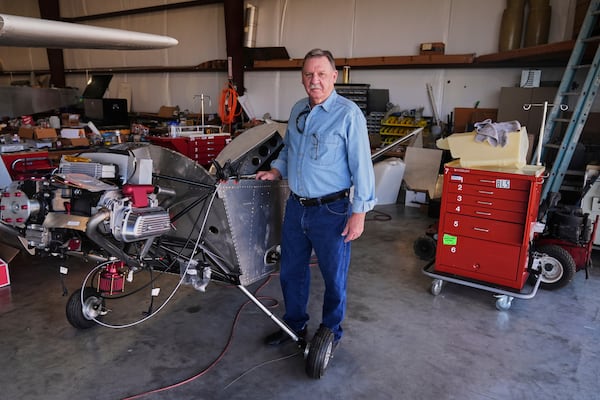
x=449, y=240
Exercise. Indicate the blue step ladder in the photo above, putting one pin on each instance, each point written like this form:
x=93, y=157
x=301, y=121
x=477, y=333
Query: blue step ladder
x=585, y=95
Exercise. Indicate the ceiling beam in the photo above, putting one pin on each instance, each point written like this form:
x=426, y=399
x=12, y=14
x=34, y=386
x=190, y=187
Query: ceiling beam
x=135, y=11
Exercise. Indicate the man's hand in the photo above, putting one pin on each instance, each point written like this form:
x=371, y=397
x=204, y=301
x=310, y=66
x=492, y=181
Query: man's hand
x=355, y=226
x=271, y=175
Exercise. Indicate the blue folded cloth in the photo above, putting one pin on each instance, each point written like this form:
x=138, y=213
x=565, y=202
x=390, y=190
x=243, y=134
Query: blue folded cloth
x=495, y=133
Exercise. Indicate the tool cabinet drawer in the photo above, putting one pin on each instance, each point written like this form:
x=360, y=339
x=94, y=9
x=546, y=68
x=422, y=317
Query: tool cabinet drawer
x=516, y=216
x=488, y=192
x=479, y=259
x=482, y=228
x=486, y=203
x=489, y=180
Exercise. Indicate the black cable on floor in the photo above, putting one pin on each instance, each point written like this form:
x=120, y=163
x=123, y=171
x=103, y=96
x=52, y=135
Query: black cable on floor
x=378, y=216
x=219, y=357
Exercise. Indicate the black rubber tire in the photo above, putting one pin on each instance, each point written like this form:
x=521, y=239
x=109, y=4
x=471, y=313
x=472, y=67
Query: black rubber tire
x=74, y=309
x=425, y=247
x=319, y=353
x=560, y=263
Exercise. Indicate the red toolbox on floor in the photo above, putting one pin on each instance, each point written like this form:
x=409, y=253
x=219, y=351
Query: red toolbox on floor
x=4, y=276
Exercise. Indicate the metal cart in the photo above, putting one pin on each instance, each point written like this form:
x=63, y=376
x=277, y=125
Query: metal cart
x=487, y=223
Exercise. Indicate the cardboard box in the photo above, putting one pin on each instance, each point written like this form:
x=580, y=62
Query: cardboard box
x=72, y=133
x=69, y=119
x=167, y=112
x=74, y=142
x=37, y=133
x=432, y=48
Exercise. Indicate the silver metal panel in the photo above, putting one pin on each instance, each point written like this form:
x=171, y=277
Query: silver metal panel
x=22, y=100
x=255, y=215
x=253, y=147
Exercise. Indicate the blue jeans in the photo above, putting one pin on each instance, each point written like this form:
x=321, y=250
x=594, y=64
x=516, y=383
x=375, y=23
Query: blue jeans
x=318, y=228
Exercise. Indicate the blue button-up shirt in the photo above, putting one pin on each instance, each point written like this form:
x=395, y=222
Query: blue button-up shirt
x=327, y=150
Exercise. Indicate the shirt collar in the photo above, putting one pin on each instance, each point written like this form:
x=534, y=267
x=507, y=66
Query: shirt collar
x=327, y=104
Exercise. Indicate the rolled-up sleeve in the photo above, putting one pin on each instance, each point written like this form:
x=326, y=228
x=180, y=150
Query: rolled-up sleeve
x=360, y=164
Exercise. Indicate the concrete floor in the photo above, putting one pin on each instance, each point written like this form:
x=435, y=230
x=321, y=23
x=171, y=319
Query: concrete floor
x=401, y=342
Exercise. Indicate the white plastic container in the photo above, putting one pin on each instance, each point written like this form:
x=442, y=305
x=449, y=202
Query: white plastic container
x=388, y=178
x=474, y=154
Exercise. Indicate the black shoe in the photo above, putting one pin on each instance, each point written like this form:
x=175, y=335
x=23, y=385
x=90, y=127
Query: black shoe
x=281, y=337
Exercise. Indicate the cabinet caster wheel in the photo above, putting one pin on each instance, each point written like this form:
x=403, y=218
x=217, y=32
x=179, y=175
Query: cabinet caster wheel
x=436, y=286
x=503, y=302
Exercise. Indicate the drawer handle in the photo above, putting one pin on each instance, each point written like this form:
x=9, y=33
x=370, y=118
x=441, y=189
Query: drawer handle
x=485, y=203
x=485, y=192
x=481, y=229
x=486, y=181
x=483, y=213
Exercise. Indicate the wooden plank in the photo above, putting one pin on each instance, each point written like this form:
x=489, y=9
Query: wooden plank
x=544, y=51
x=374, y=62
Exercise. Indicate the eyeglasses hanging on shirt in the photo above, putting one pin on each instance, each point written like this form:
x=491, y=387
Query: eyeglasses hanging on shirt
x=301, y=120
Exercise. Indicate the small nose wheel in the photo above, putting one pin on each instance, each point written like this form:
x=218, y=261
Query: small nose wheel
x=81, y=315
x=318, y=352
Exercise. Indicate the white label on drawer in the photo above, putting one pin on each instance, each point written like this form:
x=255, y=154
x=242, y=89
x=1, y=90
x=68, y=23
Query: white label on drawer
x=503, y=183
x=456, y=178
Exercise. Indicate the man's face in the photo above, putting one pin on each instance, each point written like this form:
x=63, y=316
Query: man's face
x=318, y=78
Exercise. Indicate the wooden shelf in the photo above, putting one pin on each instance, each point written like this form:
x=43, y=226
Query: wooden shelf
x=547, y=55
x=416, y=61
x=552, y=54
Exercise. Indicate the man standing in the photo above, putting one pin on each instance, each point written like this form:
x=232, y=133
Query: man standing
x=326, y=151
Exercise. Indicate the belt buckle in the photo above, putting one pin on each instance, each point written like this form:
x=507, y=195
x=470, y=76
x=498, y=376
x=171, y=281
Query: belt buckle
x=301, y=200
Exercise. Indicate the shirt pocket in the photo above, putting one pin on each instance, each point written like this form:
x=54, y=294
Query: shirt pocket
x=326, y=148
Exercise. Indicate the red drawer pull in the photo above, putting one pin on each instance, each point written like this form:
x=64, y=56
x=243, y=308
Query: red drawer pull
x=485, y=203
x=481, y=229
x=483, y=213
x=486, y=181
x=485, y=192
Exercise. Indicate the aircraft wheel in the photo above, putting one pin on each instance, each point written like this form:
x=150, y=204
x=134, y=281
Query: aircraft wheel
x=320, y=351
x=81, y=316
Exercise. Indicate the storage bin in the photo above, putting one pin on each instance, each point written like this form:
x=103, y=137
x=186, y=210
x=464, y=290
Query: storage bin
x=482, y=154
x=388, y=178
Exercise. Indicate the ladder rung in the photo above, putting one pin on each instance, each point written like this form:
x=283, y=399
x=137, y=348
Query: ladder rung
x=592, y=39
x=574, y=172
x=571, y=93
x=581, y=66
x=561, y=120
x=552, y=145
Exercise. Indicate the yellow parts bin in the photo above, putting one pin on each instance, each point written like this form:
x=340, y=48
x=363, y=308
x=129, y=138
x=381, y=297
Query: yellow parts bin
x=482, y=154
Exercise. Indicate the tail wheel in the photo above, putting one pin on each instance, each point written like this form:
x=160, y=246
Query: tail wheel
x=320, y=351
x=82, y=316
x=557, y=267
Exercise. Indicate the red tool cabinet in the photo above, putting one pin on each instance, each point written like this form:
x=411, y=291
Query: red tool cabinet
x=486, y=223
x=200, y=148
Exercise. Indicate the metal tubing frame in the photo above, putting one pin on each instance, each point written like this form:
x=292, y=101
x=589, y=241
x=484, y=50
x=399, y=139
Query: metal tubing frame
x=524, y=296
x=278, y=321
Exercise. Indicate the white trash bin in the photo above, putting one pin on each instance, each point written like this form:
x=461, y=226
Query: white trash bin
x=388, y=178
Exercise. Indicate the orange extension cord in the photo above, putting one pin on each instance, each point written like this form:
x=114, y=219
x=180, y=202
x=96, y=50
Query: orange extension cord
x=228, y=104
